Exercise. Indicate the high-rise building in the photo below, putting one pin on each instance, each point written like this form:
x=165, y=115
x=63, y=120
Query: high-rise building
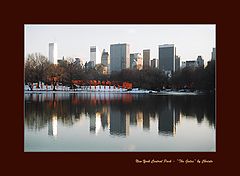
x=177, y=63
x=191, y=64
x=146, y=58
x=105, y=60
x=89, y=65
x=213, y=54
x=154, y=63
x=136, y=61
x=167, y=54
x=183, y=64
x=119, y=57
x=200, y=61
x=95, y=55
x=53, y=53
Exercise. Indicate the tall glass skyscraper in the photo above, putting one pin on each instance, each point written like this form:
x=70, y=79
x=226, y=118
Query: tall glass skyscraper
x=119, y=57
x=167, y=55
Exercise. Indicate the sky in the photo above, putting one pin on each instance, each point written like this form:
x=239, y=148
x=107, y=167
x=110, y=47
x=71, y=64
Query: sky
x=75, y=40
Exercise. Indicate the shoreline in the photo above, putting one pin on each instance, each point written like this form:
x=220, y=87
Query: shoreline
x=112, y=92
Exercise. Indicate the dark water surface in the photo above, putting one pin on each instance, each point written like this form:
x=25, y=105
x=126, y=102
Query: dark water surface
x=119, y=122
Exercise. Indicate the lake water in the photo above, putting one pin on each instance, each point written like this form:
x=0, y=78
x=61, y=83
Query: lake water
x=119, y=122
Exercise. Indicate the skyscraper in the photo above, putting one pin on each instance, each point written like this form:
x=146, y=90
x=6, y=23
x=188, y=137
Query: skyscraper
x=146, y=58
x=53, y=53
x=119, y=57
x=105, y=60
x=167, y=54
x=95, y=55
x=136, y=61
x=213, y=54
x=200, y=61
x=177, y=63
x=154, y=63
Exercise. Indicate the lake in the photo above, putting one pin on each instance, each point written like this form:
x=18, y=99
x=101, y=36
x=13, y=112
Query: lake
x=114, y=122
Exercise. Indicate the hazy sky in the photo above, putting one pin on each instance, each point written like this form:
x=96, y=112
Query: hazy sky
x=75, y=40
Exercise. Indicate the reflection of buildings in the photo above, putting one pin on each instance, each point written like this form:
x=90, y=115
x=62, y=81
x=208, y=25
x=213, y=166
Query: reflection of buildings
x=146, y=121
x=92, y=123
x=140, y=119
x=105, y=117
x=119, y=122
x=143, y=112
x=166, y=122
x=52, y=126
x=177, y=116
x=133, y=119
x=99, y=120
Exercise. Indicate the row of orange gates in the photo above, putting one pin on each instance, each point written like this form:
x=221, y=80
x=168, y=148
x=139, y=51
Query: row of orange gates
x=90, y=83
x=125, y=85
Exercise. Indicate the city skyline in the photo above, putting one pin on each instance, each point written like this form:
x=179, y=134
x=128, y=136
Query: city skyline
x=75, y=40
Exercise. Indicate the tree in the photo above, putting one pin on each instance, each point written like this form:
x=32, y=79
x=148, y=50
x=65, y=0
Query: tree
x=54, y=74
x=36, y=66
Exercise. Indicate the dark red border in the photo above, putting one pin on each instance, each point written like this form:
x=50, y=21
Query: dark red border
x=15, y=161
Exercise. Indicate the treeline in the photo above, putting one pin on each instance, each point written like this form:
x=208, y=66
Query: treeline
x=39, y=69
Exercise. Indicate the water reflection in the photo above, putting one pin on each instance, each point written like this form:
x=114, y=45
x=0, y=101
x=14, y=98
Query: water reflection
x=116, y=113
x=52, y=126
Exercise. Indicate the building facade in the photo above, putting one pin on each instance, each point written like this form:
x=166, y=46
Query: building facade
x=200, y=61
x=119, y=57
x=95, y=55
x=213, y=54
x=192, y=64
x=53, y=53
x=146, y=58
x=167, y=54
x=177, y=63
x=136, y=61
x=154, y=63
x=105, y=60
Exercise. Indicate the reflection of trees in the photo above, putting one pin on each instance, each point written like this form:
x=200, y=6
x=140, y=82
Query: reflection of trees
x=68, y=108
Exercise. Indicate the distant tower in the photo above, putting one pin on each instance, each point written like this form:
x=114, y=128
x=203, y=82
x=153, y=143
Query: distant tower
x=119, y=57
x=213, y=54
x=136, y=61
x=105, y=60
x=177, y=63
x=95, y=55
x=167, y=55
x=146, y=58
x=200, y=61
x=53, y=53
x=154, y=63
